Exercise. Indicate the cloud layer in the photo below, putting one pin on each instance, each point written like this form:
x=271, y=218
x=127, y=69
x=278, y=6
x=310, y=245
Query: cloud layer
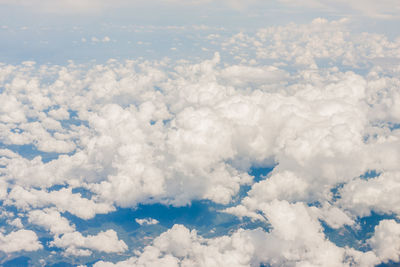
x=143, y=132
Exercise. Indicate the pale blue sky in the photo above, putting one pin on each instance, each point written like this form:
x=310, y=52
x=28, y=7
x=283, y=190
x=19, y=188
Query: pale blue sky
x=44, y=32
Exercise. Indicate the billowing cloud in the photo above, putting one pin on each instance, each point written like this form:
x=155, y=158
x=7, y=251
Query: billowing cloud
x=378, y=194
x=386, y=240
x=51, y=220
x=63, y=200
x=172, y=132
x=78, y=245
x=304, y=246
x=18, y=241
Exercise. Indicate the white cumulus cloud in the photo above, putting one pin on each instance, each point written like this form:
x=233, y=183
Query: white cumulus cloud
x=26, y=240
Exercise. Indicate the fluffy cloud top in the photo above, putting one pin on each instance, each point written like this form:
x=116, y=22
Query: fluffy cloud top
x=50, y=219
x=386, y=240
x=20, y=240
x=78, y=245
x=283, y=246
x=143, y=132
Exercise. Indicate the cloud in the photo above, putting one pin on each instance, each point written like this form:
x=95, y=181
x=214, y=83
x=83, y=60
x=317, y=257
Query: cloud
x=51, y=220
x=63, y=200
x=386, y=240
x=26, y=240
x=196, y=136
x=78, y=245
x=377, y=194
x=142, y=132
x=240, y=76
x=146, y=221
x=180, y=246
x=16, y=222
x=333, y=216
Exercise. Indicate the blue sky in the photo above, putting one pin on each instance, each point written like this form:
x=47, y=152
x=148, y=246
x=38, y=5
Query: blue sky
x=47, y=31
x=199, y=133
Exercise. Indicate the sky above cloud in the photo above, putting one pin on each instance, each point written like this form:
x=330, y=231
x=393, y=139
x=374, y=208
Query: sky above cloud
x=386, y=9
x=58, y=31
x=199, y=133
